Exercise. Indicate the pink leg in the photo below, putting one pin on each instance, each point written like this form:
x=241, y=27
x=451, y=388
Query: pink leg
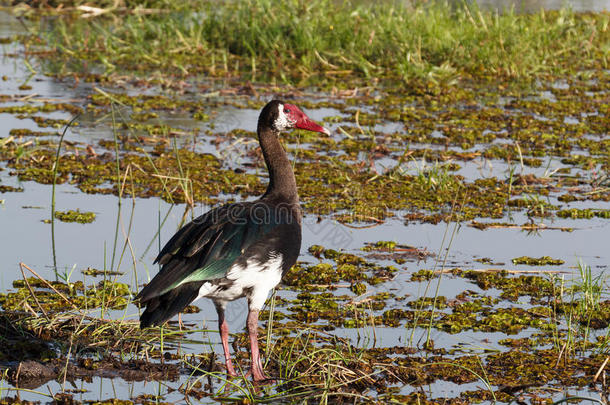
x=257, y=367
x=224, y=338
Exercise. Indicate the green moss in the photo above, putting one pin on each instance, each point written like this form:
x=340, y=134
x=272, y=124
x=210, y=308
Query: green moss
x=97, y=174
x=380, y=245
x=341, y=186
x=576, y=213
x=10, y=189
x=17, y=132
x=104, y=294
x=512, y=288
x=97, y=273
x=425, y=302
x=200, y=116
x=75, y=216
x=316, y=250
x=566, y=198
x=506, y=320
x=144, y=116
x=540, y=261
x=358, y=288
x=458, y=114
x=422, y=275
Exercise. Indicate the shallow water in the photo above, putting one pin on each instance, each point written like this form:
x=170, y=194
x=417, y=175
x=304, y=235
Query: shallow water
x=27, y=238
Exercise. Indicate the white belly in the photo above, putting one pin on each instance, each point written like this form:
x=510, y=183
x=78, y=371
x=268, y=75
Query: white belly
x=253, y=281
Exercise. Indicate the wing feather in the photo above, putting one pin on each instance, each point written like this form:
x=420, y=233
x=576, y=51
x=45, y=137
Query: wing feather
x=206, y=248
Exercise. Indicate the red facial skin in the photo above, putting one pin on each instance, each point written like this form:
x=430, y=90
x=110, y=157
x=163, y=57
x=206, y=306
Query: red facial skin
x=301, y=120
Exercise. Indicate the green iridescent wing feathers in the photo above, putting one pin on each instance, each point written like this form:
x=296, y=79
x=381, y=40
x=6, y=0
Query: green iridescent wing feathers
x=206, y=248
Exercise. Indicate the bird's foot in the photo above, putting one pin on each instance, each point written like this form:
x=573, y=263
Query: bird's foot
x=259, y=376
x=230, y=370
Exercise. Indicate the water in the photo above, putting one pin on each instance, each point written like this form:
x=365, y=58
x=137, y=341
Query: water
x=27, y=238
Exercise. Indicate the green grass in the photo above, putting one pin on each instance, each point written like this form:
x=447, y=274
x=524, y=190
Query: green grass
x=580, y=306
x=434, y=176
x=307, y=42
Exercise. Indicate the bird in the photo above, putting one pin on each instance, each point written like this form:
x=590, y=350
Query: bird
x=236, y=250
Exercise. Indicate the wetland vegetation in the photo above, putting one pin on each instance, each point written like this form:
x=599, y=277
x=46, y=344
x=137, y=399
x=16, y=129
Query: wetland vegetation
x=443, y=116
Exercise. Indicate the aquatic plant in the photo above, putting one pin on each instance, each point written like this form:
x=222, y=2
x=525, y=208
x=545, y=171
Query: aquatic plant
x=433, y=42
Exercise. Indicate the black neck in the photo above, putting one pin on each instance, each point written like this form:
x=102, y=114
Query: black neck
x=282, y=184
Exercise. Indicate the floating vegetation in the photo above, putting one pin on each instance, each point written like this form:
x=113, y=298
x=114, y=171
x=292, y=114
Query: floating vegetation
x=414, y=130
x=540, y=261
x=56, y=324
x=18, y=132
x=388, y=246
x=58, y=296
x=75, y=216
x=338, y=177
x=576, y=213
x=32, y=108
x=96, y=273
x=10, y=189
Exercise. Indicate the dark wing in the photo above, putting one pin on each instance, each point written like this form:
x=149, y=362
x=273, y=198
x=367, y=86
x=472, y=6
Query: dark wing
x=207, y=247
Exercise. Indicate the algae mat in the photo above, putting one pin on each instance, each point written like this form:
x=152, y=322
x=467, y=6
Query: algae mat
x=455, y=235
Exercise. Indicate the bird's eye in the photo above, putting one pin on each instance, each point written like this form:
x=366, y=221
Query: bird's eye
x=287, y=110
